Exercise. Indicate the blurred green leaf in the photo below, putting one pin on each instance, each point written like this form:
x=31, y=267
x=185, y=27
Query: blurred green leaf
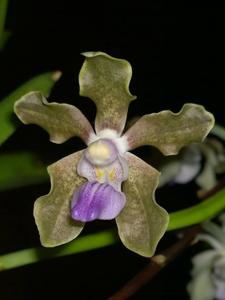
x=21, y=169
x=4, y=38
x=42, y=83
x=3, y=12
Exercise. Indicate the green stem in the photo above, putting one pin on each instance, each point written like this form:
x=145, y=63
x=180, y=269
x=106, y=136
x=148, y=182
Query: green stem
x=3, y=13
x=183, y=218
x=198, y=213
x=82, y=244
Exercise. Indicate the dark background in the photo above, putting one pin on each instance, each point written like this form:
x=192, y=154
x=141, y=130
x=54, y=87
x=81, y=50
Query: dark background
x=176, y=52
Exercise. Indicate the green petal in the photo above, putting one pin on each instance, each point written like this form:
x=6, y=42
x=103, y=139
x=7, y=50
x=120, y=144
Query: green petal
x=105, y=80
x=52, y=211
x=142, y=222
x=61, y=121
x=3, y=14
x=169, y=131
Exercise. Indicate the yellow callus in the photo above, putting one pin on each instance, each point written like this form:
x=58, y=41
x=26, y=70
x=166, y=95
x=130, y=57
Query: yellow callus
x=99, y=174
x=99, y=151
x=112, y=174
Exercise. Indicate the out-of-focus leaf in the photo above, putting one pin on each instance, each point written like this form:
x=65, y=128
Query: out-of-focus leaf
x=4, y=39
x=3, y=34
x=21, y=169
x=42, y=83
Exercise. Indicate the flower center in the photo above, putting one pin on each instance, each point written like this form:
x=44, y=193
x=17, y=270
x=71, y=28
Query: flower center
x=101, y=152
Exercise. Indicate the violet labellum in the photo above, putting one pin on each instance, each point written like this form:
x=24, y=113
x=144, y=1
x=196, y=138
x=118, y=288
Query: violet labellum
x=105, y=181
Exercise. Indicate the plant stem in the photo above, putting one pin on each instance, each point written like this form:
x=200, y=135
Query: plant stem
x=156, y=264
x=82, y=244
x=183, y=218
x=198, y=213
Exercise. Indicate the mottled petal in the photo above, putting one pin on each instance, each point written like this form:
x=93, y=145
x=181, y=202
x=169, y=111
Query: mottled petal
x=52, y=211
x=169, y=131
x=61, y=121
x=142, y=222
x=96, y=200
x=105, y=80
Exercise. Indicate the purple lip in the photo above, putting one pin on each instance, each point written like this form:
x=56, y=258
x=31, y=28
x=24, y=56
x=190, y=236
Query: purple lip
x=96, y=200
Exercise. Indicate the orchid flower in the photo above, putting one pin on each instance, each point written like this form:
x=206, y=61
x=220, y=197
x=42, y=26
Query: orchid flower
x=105, y=181
x=208, y=273
x=200, y=162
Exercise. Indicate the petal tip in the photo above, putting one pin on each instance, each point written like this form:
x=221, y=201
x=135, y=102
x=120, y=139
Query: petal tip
x=93, y=53
x=56, y=75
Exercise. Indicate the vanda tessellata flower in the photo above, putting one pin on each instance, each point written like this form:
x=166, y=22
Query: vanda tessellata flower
x=105, y=181
x=208, y=272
